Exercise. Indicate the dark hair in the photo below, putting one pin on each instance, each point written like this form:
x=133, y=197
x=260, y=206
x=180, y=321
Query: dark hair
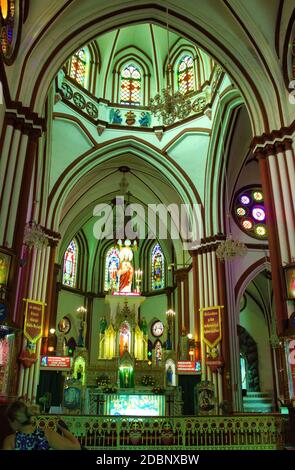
x=21, y=412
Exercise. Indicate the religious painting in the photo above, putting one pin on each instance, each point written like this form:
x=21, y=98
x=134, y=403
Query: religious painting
x=289, y=271
x=5, y=262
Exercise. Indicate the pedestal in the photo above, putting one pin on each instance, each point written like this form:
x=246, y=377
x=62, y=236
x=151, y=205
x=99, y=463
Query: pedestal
x=118, y=301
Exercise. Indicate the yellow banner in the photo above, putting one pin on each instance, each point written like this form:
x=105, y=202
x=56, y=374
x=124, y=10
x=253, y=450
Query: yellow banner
x=211, y=325
x=33, y=327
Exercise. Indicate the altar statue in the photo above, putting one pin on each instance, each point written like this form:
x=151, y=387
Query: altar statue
x=125, y=271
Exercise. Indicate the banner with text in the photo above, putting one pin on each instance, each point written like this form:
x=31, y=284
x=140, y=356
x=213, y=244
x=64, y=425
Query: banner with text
x=211, y=325
x=33, y=320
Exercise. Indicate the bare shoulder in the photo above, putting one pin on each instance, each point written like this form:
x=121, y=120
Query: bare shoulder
x=9, y=442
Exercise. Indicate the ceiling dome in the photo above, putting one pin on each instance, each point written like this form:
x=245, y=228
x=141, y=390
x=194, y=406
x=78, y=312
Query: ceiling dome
x=147, y=48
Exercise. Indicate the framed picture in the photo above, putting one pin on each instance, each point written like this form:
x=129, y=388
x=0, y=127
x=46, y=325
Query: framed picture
x=64, y=325
x=289, y=271
x=5, y=265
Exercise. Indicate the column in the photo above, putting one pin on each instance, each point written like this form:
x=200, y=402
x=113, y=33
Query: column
x=277, y=169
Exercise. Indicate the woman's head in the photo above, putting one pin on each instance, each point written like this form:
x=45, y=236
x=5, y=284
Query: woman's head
x=19, y=414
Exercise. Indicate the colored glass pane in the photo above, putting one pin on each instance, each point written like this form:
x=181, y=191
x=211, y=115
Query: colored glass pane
x=247, y=224
x=241, y=211
x=250, y=213
x=245, y=199
x=158, y=268
x=112, y=262
x=258, y=196
x=186, y=75
x=78, y=67
x=260, y=230
x=4, y=8
x=130, y=85
x=70, y=265
x=258, y=213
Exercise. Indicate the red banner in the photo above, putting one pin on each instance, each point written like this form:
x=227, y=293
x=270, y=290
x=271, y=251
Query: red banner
x=211, y=322
x=33, y=320
x=56, y=362
x=189, y=366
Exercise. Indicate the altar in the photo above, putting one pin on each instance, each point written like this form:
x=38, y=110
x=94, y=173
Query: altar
x=132, y=404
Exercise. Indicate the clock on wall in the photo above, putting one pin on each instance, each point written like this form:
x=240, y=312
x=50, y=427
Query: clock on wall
x=157, y=328
x=64, y=325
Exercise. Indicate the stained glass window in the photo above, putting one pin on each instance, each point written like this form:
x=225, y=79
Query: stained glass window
x=69, y=277
x=130, y=85
x=111, y=269
x=158, y=268
x=186, y=78
x=249, y=212
x=78, y=66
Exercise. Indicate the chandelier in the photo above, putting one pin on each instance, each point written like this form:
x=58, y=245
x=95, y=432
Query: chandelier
x=229, y=249
x=170, y=106
x=35, y=237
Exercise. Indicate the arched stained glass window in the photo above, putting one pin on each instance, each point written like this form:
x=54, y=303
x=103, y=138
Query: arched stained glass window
x=186, y=76
x=112, y=262
x=130, y=92
x=69, y=277
x=158, y=268
x=78, y=66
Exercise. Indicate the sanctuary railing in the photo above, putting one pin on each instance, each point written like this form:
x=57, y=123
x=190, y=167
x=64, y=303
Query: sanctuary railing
x=255, y=432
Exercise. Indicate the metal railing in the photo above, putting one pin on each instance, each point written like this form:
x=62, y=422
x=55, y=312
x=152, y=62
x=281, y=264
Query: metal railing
x=255, y=432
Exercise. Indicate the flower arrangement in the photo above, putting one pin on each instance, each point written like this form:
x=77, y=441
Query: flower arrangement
x=35, y=237
x=157, y=390
x=148, y=380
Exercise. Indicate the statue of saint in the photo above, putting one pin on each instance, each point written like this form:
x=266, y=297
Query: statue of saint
x=125, y=271
x=143, y=326
x=102, y=325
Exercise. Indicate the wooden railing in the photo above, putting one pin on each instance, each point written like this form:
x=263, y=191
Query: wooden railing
x=256, y=432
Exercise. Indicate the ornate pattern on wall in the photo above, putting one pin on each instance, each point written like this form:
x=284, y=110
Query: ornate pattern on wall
x=249, y=212
x=88, y=107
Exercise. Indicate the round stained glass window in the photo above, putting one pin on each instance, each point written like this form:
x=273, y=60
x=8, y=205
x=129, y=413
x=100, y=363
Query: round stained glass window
x=245, y=199
x=258, y=213
x=249, y=212
x=258, y=196
x=241, y=211
x=247, y=224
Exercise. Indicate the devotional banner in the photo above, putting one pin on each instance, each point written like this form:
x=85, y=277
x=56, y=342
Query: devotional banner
x=211, y=325
x=33, y=320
